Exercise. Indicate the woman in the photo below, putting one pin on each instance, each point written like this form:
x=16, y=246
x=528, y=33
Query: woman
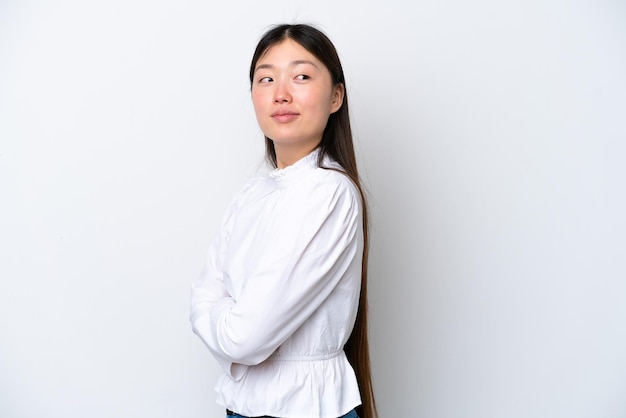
x=282, y=302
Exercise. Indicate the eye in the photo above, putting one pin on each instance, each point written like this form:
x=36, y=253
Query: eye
x=302, y=77
x=265, y=80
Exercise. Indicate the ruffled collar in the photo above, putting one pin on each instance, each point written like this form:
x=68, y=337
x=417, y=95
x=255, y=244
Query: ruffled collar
x=282, y=176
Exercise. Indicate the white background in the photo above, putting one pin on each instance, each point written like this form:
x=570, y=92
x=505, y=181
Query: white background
x=492, y=141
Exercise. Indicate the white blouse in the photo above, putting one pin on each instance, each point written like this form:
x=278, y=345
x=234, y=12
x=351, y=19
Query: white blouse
x=278, y=298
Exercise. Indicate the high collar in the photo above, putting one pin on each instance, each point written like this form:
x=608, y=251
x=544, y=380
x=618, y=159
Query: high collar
x=284, y=176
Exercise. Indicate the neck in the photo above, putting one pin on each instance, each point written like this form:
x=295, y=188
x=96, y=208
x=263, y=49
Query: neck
x=286, y=156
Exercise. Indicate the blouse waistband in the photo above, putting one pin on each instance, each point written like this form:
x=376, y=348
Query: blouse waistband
x=295, y=357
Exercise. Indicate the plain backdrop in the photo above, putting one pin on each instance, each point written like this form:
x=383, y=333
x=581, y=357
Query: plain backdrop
x=491, y=137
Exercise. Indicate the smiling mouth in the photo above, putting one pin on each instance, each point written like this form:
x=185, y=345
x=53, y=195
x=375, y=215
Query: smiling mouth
x=284, y=116
x=283, y=113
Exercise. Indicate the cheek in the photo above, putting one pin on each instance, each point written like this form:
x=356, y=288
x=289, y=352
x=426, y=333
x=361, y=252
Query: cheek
x=317, y=101
x=255, y=95
x=257, y=101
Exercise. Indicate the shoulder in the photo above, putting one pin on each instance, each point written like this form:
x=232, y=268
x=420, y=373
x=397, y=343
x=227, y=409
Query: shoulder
x=245, y=194
x=333, y=173
x=335, y=176
x=330, y=184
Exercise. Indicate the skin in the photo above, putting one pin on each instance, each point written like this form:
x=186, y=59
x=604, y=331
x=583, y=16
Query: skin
x=293, y=96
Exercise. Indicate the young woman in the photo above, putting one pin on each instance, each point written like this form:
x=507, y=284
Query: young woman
x=282, y=302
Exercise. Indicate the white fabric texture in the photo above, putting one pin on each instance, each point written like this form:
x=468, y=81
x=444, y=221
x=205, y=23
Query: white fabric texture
x=278, y=298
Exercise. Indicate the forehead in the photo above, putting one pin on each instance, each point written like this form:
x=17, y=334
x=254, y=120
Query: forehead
x=285, y=52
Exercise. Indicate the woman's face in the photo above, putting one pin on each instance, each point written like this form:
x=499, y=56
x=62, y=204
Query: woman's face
x=293, y=96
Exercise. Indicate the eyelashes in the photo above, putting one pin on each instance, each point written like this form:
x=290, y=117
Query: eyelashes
x=299, y=77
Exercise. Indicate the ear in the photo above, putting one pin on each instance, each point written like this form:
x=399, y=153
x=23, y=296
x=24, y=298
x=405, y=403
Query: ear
x=337, y=97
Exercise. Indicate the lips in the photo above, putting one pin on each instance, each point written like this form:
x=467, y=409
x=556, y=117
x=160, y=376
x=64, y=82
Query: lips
x=284, y=115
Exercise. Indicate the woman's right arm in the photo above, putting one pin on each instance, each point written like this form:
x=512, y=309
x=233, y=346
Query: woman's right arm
x=208, y=292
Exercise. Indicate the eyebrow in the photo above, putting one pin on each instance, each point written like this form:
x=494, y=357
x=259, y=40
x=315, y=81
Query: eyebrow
x=291, y=64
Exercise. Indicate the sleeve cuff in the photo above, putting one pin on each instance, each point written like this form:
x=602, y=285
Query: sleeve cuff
x=202, y=324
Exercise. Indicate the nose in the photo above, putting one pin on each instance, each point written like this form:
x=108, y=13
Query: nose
x=281, y=93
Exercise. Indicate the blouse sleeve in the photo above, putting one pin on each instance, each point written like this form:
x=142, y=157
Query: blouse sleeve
x=209, y=291
x=316, y=240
